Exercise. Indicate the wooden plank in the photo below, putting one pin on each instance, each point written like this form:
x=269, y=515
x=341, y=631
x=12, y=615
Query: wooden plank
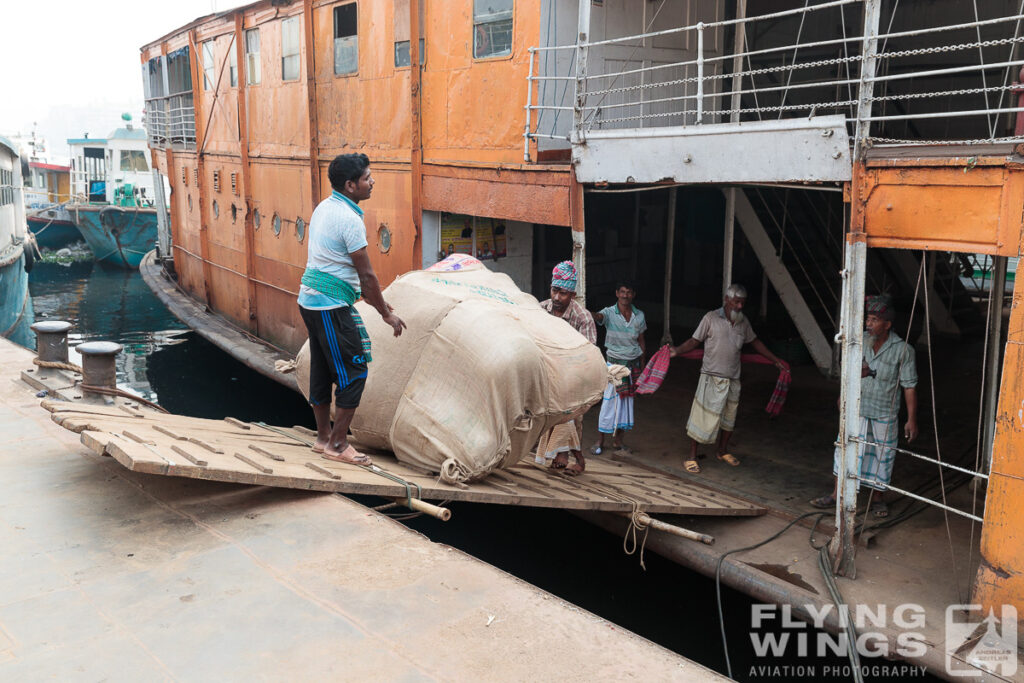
x=154, y=445
x=170, y=433
x=208, y=446
x=237, y=423
x=249, y=461
x=264, y=451
x=137, y=437
x=195, y=460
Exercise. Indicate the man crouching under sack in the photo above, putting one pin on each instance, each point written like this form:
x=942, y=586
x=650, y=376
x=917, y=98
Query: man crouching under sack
x=338, y=273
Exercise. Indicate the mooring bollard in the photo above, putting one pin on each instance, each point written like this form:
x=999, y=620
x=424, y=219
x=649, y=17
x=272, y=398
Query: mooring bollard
x=99, y=367
x=51, y=343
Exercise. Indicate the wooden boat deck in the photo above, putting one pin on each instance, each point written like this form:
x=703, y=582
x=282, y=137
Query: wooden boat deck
x=233, y=451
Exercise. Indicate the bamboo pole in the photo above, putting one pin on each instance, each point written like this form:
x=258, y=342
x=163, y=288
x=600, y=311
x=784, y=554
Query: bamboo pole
x=417, y=505
x=643, y=519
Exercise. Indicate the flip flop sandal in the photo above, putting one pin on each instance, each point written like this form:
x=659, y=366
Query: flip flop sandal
x=597, y=450
x=824, y=502
x=624, y=449
x=350, y=456
x=317, y=449
x=730, y=459
x=691, y=466
x=880, y=510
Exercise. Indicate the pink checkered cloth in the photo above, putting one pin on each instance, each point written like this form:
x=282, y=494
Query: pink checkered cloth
x=654, y=374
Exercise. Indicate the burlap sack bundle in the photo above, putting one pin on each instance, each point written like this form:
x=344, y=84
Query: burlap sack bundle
x=478, y=375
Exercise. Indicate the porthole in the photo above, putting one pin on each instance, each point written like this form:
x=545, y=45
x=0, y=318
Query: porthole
x=300, y=229
x=256, y=219
x=384, y=238
x=234, y=213
x=190, y=203
x=277, y=224
x=216, y=209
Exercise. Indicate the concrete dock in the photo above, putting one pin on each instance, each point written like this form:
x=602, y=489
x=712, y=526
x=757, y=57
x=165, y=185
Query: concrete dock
x=114, y=575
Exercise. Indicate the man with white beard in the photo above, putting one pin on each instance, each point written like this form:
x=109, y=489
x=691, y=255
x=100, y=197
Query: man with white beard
x=713, y=414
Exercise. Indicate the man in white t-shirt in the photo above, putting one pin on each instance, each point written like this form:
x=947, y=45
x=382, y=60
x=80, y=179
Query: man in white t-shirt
x=723, y=332
x=338, y=272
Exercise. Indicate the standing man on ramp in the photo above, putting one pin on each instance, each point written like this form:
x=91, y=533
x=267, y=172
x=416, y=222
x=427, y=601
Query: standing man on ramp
x=563, y=440
x=338, y=272
x=713, y=415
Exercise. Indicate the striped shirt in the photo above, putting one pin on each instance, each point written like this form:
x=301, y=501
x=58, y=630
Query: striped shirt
x=621, y=339
x=895, y=366
x=578, y=317
x=336, y=230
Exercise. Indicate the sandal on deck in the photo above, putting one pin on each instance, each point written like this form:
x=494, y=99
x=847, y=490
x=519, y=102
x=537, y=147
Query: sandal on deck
x=880, y=509
x=350, y=456
x=691, y=466
x=317, y=449
x=824, y=502
x=597, y=450
x=730, y=459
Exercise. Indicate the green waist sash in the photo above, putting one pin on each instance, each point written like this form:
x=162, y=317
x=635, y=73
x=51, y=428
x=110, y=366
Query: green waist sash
x=335, y=287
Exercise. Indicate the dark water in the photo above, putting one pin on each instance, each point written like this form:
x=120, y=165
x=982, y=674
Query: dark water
x=554, y=550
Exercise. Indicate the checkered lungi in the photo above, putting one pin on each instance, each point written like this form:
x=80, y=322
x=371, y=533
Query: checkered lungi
x=874, y=461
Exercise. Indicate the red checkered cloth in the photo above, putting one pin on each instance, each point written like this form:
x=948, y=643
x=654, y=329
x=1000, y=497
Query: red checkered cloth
x=654, y=374
x=778, y=397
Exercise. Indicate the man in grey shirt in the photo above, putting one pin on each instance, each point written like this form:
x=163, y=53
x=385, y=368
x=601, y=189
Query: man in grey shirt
x=723, y=332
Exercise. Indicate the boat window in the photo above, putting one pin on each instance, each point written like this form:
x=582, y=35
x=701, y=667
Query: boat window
x=290, y=49
x=492, y=28
x=300, y=229
x=277, y=224
x=134, y=160
x=402, y=34
x=252, y=56
x=208, y=81
x=256, y=218
x=346, y=40
x=216, y=209
x=233, y=64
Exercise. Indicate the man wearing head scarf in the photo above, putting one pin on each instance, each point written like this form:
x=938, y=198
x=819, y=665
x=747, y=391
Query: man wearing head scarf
x=713, y=414
x=888, y=365
x=563, y=440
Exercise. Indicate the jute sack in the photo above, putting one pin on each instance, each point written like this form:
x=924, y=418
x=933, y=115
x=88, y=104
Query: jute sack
x=480, y=373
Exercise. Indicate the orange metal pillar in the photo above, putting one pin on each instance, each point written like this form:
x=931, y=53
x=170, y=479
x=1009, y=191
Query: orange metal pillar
x=416, y=166
x=314, y=126
x=204, y=222
x=1000, y=579
x=243, y=147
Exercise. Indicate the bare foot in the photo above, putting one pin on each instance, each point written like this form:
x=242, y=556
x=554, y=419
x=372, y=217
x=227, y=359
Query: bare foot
x=578, y=467
x=560, y=461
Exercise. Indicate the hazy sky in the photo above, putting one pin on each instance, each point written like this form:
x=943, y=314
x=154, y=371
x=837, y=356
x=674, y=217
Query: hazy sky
x=72, y=66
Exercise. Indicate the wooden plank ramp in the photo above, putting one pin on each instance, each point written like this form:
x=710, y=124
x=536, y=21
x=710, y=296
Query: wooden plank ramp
x=233, y=451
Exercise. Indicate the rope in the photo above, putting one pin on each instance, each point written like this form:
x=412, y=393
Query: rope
x=935, y=426
x=58, y=365
x=629, y=542
x=108, y=391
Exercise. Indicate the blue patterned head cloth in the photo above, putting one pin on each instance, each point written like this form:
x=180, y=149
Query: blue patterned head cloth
x=880, y=306
x=564, y=276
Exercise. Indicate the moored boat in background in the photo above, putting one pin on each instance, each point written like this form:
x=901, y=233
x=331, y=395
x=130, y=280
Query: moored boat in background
x=15, y=305
x=112, y=195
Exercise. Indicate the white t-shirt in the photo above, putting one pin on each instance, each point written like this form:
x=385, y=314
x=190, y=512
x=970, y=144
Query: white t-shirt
x=336, y=230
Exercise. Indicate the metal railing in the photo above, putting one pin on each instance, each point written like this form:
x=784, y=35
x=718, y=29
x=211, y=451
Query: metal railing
x=906, y=77
x=171, y=121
